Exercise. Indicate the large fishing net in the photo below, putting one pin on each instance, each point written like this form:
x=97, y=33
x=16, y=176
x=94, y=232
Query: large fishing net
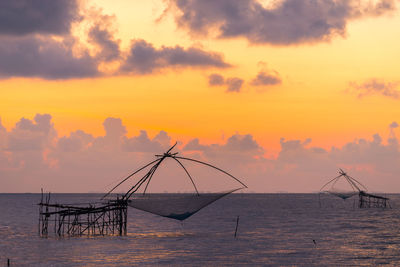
x=176, y=206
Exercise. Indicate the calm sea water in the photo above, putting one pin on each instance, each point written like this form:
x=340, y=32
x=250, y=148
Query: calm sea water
x=274, y=230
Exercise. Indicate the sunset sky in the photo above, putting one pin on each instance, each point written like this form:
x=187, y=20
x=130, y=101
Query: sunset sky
x=280, y=93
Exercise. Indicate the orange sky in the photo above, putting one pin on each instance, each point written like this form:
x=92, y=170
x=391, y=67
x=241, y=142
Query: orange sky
x=312, y=100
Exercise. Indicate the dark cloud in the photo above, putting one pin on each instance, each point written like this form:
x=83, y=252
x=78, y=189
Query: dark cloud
x=27, y=46
x=393, y=125
x=143, y=58
x=286, y=22
x=215, y=79
x=374, y=87
x=102, y=35
x=265, y=79
x=43, y=57
x=109, y=47
x=19, y=17
x=36, y=41
x=234, y=84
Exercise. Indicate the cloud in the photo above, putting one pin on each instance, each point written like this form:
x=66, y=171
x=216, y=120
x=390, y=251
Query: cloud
x=77, y=141
x=109, y=47
x=21, y=17
x=3, y=136
x=33, y=56
x=142, y=143
x=374, y=87
x=266, y=79
x=233, y=84
x=32, y=135
x=101, y=35
x=392, y=128
x=393, y=125
x=215, y=79
x=2, y=127
x=36, y=40
x=144, y=58
x=236, y=147
x=284, y=23
x=33, y=156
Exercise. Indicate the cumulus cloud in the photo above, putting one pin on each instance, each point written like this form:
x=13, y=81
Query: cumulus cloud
x=2, y=127
x=392, y=128
x=33, y=156
x=237, y=146
x=266, y=79
x=283, y=23
x=374, y=87
x=3, y=133
x=20, y=17
x=233, y=84
x=77, y=141
x=143, y=143
x=32, y=135
x=144, y=58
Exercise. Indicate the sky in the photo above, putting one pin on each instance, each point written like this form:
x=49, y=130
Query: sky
x=279, y=93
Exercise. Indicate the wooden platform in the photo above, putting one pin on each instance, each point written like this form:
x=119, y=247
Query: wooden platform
x=367, y=200
x=108, y=218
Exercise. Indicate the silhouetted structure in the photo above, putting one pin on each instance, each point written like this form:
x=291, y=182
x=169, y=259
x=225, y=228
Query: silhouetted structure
x=372, y=201
x=174, y=206
x=109, y=218
x=366, y=200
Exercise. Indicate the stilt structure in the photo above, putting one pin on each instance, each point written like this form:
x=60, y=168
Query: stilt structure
x=372, y=201
x=354, y=187
x=108, y=218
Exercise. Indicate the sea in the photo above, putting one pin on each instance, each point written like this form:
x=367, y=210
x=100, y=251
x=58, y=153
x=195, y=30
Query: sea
x=271, y=230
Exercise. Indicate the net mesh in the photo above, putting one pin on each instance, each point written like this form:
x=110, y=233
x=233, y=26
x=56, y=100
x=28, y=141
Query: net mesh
x=342, y=195
x=175, y=206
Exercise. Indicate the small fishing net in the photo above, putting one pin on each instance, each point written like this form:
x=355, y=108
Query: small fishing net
x=343, y=186
x=176, y=206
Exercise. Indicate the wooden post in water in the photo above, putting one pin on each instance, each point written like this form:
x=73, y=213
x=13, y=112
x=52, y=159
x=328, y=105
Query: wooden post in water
x=237, y=224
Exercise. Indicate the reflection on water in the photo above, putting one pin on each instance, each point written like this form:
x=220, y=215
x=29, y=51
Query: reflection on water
x=274, y=229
